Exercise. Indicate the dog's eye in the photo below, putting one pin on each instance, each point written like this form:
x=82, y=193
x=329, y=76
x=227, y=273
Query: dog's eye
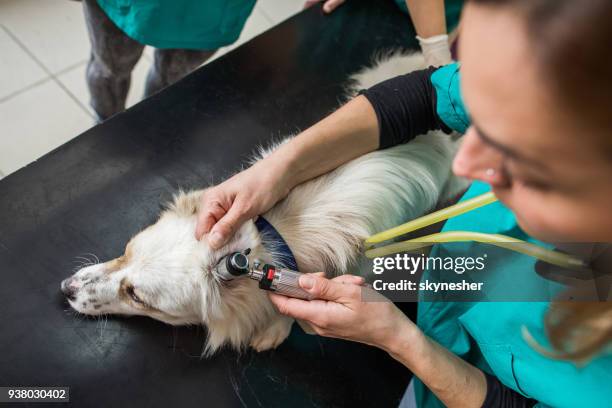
x=132, y=294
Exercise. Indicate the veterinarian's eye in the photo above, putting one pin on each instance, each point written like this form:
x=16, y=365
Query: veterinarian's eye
x=130, y=291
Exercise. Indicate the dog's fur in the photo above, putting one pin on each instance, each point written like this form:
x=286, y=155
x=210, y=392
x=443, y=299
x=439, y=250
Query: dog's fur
x=168, y=275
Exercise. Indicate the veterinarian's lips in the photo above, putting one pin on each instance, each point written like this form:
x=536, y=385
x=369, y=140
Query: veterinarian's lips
x=69, y=288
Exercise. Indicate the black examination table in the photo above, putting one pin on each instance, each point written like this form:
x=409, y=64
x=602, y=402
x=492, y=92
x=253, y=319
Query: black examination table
x=92, y=194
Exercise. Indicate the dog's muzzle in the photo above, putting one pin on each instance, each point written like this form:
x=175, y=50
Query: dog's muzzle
x=69, y=288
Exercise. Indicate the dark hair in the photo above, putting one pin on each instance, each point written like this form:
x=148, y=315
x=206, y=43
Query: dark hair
x=572, y=43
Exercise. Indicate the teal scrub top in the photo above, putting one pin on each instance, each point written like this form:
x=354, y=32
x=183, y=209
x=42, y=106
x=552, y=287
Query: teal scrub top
x=452, y=10
x=488, y=334
x=182, y=24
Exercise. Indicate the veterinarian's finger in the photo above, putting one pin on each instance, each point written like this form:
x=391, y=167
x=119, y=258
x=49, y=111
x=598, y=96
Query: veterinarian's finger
x=331, y=5
x=213, y=205
x=321, y=288
x=353, y=279
x=311, y=311
x=297, y=308
x=224, y=228
x=207, y=218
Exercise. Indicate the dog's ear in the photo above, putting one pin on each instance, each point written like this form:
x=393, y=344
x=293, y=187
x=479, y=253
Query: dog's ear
x=186, y=204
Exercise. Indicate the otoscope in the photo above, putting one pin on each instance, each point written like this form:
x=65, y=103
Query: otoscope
x=270, y=277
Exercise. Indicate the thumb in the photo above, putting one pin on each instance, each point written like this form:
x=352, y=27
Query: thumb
x=322, y=288
x=225, y=228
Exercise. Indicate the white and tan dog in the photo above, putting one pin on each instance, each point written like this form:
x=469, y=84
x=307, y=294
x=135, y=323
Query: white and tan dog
x=166, y=274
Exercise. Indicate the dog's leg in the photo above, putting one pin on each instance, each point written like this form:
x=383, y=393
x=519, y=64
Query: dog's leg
x=273, y=334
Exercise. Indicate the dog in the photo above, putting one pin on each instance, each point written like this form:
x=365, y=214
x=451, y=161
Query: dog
x=166, y=274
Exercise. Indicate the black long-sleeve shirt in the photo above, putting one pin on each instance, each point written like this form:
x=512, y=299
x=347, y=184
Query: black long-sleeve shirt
x=405, y=107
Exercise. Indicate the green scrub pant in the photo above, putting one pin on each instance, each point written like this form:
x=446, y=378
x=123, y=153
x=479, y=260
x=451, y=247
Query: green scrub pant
x=113, y=57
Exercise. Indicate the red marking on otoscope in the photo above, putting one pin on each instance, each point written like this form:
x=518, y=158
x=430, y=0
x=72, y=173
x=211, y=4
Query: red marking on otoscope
x=271, y=273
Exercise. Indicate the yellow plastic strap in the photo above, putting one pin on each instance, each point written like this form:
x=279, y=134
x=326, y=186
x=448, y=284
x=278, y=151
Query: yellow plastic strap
x=437, y=216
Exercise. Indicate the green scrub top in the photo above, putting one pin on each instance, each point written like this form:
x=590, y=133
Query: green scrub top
x=452, y=9
x=182, y=24
x=488, y=334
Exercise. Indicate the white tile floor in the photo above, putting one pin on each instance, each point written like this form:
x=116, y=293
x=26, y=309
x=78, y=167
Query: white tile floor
x=43, y=52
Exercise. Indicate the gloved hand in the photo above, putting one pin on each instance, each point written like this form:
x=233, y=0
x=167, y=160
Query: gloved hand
x=436, y=50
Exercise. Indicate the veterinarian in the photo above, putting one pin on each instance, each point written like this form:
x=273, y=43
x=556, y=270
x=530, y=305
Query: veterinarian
x=185, y=33
x=536, y=77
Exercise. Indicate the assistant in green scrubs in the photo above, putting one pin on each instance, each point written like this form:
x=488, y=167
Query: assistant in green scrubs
x=184, y=33
x=183, y=24
x=488, y=334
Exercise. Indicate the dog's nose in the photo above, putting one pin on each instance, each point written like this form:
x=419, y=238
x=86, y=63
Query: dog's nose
x=68, y=289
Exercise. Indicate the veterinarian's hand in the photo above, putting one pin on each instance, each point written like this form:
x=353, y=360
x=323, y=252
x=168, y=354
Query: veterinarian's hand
x=328, y=5
x=224, y=208
x=338, y=311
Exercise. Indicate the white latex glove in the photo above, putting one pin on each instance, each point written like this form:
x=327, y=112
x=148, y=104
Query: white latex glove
x=436, y=50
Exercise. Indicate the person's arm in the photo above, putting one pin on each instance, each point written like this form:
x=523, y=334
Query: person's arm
x=392, y=112
x=454, y=381
x=338, y=311
x=405, y=106
x=429, y=19
x=349, y=132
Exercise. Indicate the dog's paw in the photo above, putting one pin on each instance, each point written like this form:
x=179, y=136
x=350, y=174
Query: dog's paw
x=273, y=335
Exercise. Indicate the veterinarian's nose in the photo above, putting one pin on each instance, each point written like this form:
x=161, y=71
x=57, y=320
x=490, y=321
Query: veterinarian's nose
x=477, y=160
x=69, y=289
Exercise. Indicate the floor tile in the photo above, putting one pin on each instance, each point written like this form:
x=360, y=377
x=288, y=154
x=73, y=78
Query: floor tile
x=18, y=69
x=53, y=30
x=279, y=10
x=36, y=121
x=74, y=81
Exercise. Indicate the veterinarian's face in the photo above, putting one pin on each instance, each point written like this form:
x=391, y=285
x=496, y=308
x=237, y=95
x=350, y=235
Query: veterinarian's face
x=546, y=168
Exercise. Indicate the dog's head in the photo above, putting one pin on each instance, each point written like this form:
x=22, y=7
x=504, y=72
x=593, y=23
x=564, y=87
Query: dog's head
x=164, y=273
